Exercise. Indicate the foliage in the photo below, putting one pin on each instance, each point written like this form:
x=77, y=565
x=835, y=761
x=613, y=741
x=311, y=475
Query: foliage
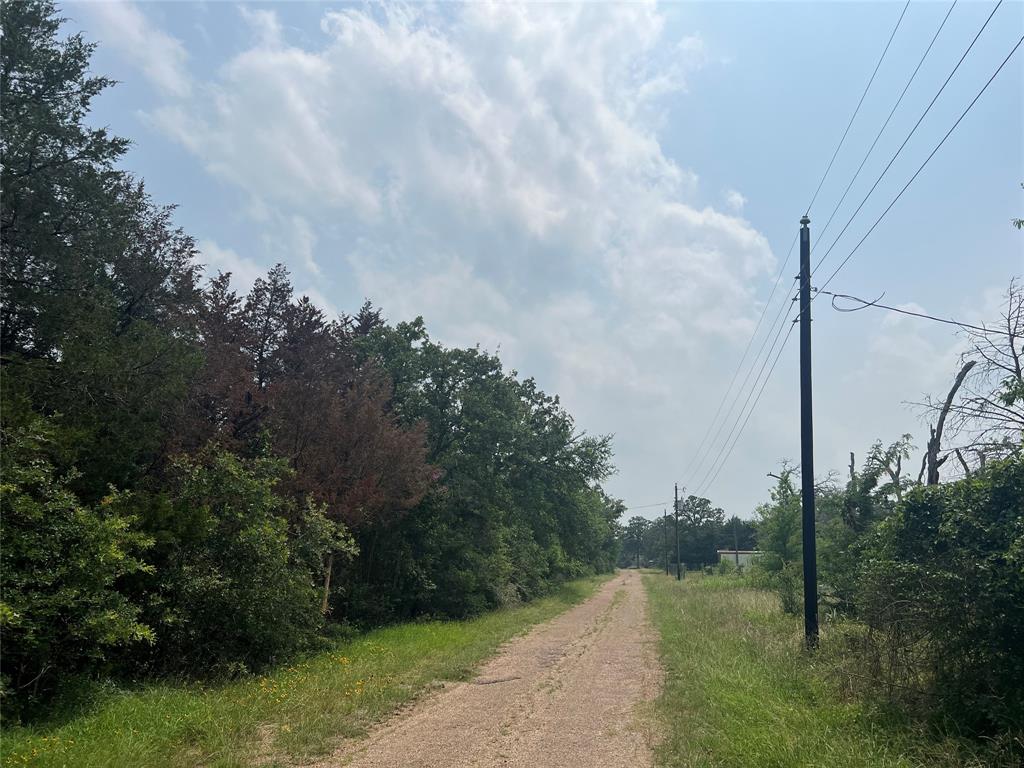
x=289, y=716
x=741, y=692
x=61, y=611
x=97, y=287
x=779, y=539
x=702, y=532
x=943, y=591
x=700, y=525
x=236, y=566
x=520, y=508
x=275, y=469
x=633, y=539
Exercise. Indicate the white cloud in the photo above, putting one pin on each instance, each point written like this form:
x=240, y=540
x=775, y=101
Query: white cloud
x=219, y=259
x=523, y=121
x=162, y=58
x=497, y=169
x=288, y=239
x=735, y=200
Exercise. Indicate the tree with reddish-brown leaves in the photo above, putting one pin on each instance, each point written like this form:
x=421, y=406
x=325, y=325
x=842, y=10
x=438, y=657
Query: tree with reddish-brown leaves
x=278, y=375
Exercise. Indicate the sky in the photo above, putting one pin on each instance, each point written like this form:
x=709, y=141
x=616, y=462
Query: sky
x=603, y=194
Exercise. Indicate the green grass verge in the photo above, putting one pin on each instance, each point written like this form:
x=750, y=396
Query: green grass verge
x=740, y=691
x=294, y=713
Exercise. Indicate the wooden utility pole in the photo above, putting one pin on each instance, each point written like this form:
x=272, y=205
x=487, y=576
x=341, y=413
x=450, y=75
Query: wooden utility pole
x=807, y=442
x=675, y=506
x=735, y=540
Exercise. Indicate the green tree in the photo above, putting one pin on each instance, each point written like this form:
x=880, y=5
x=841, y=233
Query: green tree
x=778, y=522
x=519, y=507
x=61, y=612
x=96, y=287
x=236, y=564
x=779, y=537
x=633, y=541
x=699, y=526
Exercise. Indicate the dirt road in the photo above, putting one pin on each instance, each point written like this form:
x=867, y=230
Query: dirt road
x=566, y=694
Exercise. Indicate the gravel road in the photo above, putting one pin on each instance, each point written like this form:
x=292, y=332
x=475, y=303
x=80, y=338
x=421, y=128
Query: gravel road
x=565, y=694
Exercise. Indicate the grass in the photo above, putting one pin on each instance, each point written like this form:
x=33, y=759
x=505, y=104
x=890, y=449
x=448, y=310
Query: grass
x=741, y=691
x=293, y=714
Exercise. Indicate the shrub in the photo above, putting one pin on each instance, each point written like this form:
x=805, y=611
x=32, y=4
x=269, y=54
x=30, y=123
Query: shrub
x=238, y=567
x=60, y=612
x=943, y=591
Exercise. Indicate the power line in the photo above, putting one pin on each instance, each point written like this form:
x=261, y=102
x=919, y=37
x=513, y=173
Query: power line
x=909, y=135
x=926, y=160
x=887, y=120
x=739, y=367
x=865, y=304
x=706, y=483
x=648, y=506
x=700, y=450
x=714, y=440
x=725, y=397
x=859, y=103
x=753, y=408
x=703, y=485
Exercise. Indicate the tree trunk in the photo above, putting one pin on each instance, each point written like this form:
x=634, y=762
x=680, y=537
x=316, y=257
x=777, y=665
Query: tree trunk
x=328, y=569
x=933, y=462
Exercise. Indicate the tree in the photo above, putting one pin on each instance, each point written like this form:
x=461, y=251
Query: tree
x=234, y=583
x=60, y=612
x=931, y=461
x=736, y=533
x=278, y=374
x=519, y=507
x=779, y=537
x=700, y=523
x=633, y=542
x=871, y=493
x=97, y=289
x=984, y=411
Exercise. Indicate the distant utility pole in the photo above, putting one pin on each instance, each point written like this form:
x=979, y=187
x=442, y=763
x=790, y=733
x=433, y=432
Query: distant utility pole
x=675, y=506
x=664, y=536
x=735, y=541
x=807, y=442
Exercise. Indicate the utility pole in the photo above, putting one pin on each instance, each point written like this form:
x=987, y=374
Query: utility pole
x=735, y=541
x=807, y=442
x=664, y=536
x=679, y=566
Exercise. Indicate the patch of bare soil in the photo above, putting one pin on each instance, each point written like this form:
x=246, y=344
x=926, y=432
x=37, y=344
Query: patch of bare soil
x=565, y=694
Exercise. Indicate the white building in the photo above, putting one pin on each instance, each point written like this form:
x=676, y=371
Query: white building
x=742, y=557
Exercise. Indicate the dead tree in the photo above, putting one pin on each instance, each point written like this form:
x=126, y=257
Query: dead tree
x=931, y=460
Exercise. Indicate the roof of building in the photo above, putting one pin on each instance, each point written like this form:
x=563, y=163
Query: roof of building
x=740, y=552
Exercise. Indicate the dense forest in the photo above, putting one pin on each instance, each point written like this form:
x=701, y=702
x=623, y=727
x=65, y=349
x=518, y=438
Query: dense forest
x=201, y=482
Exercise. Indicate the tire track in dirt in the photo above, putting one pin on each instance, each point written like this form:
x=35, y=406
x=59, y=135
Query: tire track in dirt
x=565, y=694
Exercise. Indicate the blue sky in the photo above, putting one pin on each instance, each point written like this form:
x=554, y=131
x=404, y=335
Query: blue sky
x=603, y=193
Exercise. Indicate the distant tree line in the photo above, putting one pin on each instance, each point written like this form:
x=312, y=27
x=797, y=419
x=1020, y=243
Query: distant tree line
x=196, y=481
x=703, y=530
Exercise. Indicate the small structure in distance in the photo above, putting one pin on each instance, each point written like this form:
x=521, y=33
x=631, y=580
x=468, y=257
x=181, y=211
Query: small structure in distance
x=738, y=557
